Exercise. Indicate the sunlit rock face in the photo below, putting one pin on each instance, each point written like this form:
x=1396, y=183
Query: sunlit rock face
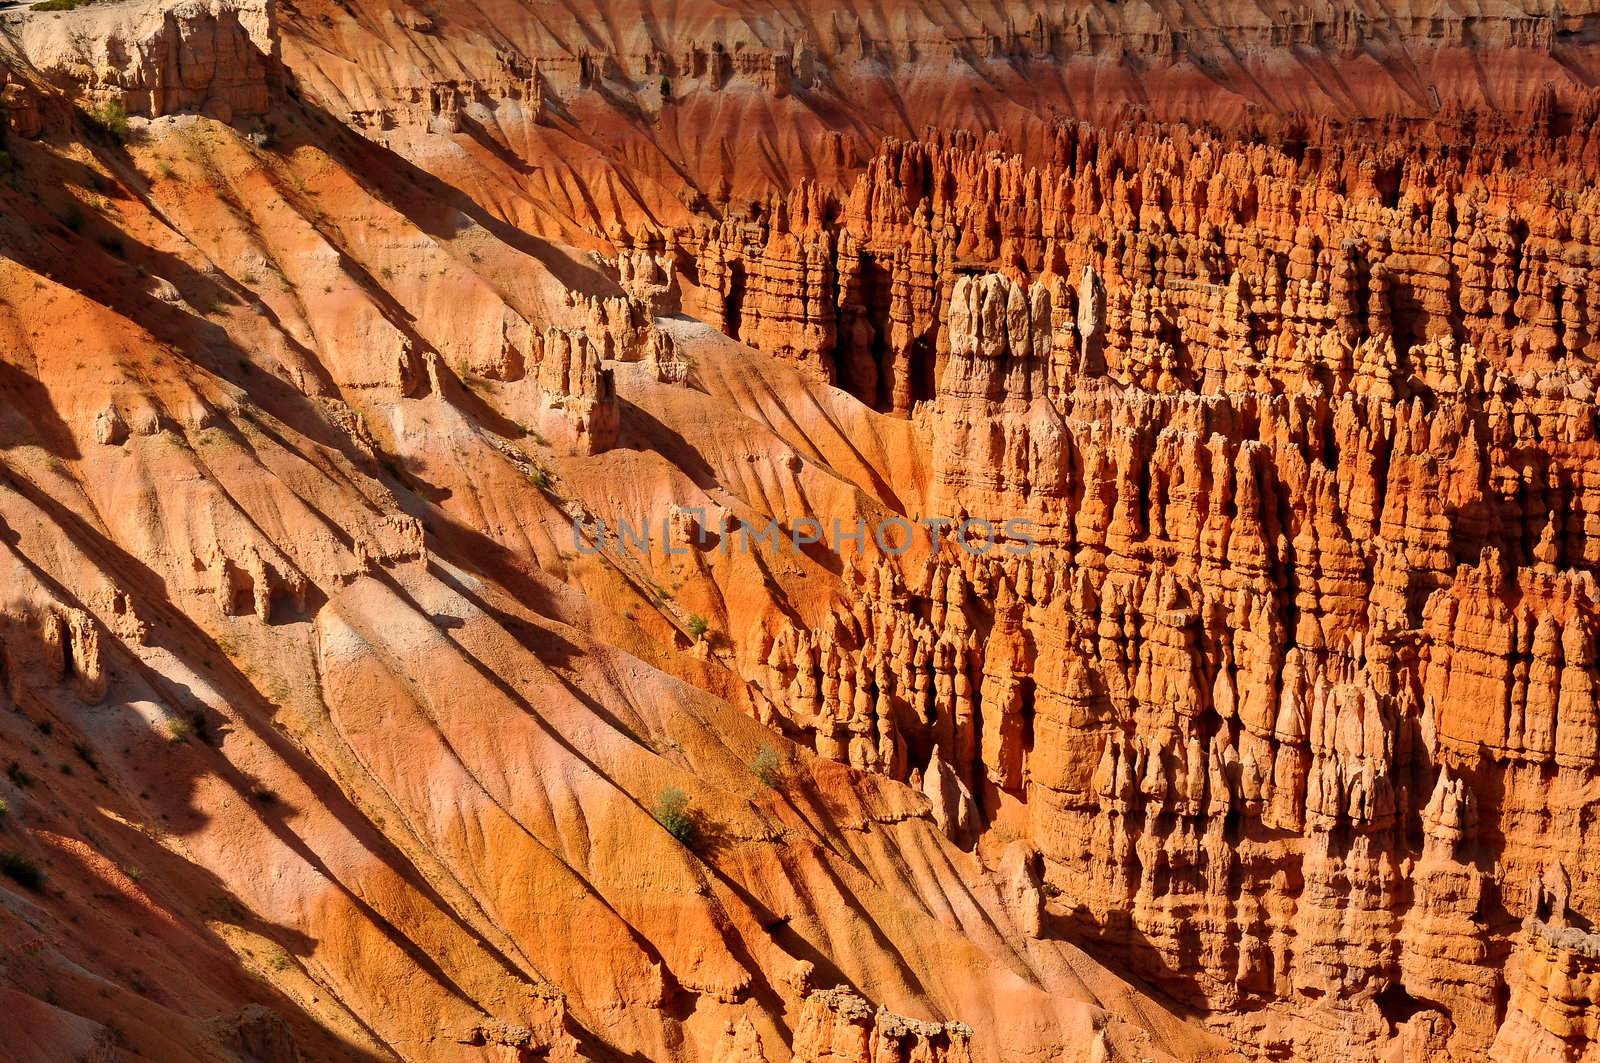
x=852, y=534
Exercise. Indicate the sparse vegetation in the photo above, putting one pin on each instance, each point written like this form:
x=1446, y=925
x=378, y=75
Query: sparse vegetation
x=538, y=477
x=697, y=625
x=672, y=812
x=111, y=118
x=21, y=870
x=5, y=808
x=19, y=776
x=178, y=729
x=767, y=767
x=62, y=5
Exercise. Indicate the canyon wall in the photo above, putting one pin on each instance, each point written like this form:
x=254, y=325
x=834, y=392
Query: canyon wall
x=1291, y=678
x=597, y=116
x=1242, y=705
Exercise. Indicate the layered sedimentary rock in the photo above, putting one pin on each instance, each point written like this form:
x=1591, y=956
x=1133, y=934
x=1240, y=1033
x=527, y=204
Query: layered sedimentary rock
x=1295, y=636
x=155, y=58
x=324, y=736
x=1241, y=425
x=836, y=1026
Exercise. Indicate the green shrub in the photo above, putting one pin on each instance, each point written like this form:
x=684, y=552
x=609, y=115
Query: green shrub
x=21, y=870
x=111, y=118
x=672, y=812
x=697, y=625
x=539, y=478
x=61, y=5
x=767, y=767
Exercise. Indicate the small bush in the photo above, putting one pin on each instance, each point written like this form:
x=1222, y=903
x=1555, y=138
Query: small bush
x=111, y=118
x=5, y=808
x=19, y=776
x=539, y=478
x=672, y=812
x=178, y=728
x=62, y=5
x=697, y=625
x=767, y=767
x=21, y=870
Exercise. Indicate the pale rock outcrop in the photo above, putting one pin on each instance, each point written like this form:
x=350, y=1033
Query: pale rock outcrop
x=217, y=57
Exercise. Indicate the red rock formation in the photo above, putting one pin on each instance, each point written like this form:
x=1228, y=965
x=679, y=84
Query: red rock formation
x=1300, y=562
x=1253, y=655
x=837, y=1026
